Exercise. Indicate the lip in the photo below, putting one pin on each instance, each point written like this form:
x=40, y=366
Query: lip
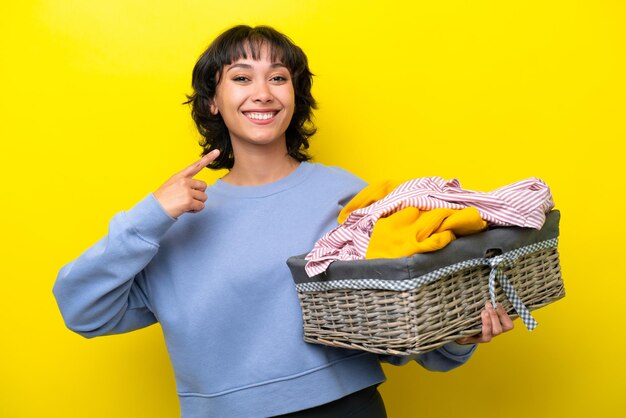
x=261, y=121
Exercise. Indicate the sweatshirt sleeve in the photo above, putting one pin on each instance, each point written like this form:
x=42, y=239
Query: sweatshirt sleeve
x=442, y=359
x=102, y=292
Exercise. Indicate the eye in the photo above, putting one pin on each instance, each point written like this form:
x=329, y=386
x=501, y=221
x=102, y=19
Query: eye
x=279, y=79
x=240, y=79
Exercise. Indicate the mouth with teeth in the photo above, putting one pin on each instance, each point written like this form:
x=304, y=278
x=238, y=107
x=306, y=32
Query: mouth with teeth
x=261, y=117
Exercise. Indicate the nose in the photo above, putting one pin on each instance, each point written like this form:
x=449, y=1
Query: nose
x=262, y=93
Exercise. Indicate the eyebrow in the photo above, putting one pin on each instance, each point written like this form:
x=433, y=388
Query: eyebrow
x=249, y=67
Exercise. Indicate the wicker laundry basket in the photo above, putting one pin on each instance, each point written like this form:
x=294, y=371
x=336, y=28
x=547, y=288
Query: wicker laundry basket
x=415, y=304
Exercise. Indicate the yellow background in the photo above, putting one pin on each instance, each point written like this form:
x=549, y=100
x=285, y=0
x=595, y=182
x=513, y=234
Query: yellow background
x=489, y=92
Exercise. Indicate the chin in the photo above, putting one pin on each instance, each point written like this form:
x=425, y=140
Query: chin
x=265, y=140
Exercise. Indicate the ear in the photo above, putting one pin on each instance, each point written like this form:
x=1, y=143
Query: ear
x=213, y=108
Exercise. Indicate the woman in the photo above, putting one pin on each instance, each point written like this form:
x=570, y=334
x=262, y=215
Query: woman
x=208, y=263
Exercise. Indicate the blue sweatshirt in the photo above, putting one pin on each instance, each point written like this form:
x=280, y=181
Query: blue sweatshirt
x=218, y=283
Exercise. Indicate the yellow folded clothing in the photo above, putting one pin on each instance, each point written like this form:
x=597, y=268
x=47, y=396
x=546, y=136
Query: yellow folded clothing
x=410, y=230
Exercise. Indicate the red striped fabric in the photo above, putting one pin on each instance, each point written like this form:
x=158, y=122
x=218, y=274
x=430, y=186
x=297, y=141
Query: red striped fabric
x=523, y=203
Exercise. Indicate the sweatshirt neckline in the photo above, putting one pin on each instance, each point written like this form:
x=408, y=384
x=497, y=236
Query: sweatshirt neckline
x=292, y=179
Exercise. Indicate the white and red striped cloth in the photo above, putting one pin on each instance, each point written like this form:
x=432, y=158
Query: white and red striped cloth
x=524, y=203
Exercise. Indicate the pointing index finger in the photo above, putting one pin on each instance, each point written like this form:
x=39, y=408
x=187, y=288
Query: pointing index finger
x=196, y=167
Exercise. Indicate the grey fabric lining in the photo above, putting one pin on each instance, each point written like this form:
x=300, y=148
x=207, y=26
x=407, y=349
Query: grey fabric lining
x=474, y=246
x=416, y=282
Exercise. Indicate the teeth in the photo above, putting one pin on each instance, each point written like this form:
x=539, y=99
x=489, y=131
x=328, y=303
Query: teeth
x=260, y=115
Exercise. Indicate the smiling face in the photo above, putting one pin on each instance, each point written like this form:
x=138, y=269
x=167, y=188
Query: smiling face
x=256, y=101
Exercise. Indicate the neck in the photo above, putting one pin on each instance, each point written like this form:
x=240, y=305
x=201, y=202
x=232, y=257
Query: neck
x=260, y=166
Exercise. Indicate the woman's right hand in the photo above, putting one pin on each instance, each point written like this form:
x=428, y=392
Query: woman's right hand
x=182, y=193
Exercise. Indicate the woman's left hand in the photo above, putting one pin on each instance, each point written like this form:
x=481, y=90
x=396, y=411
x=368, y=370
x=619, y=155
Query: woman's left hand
x=495, y=322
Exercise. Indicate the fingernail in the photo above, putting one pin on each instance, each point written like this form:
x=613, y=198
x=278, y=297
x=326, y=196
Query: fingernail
x=488, y=305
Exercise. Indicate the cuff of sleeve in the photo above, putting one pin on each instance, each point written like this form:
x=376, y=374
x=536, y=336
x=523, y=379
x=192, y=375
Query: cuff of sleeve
x=457, y=349
x=149, y=219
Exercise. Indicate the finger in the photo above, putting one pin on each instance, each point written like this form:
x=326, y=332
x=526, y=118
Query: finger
x=485, y=335
x=465, y=340
x=196, y=206
x=196, y=167
x=505, y=319
x=496, y=327
x=197, y=185
x=198, y=195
